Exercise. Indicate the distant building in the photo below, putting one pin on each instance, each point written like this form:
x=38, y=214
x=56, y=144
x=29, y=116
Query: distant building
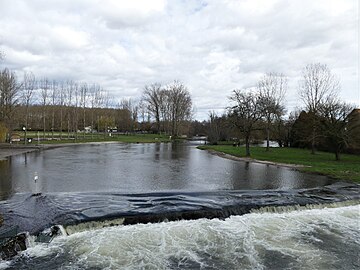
x=88, y=129
x=15, y=137
x=353, y=127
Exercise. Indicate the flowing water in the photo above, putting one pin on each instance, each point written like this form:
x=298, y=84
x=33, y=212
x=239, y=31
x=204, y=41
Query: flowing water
x=307, y=239
x=206, y=212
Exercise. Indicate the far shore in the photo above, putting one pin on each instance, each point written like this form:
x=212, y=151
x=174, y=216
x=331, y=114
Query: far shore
x=9, y=150
x=248, y=159
x=324, y=163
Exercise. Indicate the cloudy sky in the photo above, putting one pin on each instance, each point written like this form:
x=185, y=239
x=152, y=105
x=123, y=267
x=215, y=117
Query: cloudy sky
x=211, y=46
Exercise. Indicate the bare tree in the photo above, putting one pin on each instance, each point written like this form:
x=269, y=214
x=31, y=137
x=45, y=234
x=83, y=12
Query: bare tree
x=132, y=109
x=165, y=111
x=9, y=91
x=334, y=121
x=44, y=95
x=53, y=97
x=214, y=128
x=152, y=96
x=104, y=120
x=94, y=103
x=69, y=98
x=143, y=112
x=180, y=104
x=76, y=109
x=272, y=88
x=61, y=101
x=317, y=87
x=245, y=113
x=28, y=89
x=83, y=101
x=134, y=116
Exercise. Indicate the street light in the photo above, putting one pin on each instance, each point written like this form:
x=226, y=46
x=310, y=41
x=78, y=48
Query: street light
x=24, y=129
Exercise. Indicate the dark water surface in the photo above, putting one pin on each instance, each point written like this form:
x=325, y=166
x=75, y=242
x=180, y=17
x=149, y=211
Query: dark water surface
x=207, y=212
x=137, y=168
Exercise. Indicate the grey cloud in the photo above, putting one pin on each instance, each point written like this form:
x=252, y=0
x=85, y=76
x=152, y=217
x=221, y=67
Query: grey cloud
x=212, y=46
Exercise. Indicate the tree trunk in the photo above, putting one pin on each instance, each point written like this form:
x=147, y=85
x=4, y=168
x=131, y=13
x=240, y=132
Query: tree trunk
x=337, y=155
x=158, y=124
x=52, y=125
x=26, y=123
x=313, y=135
x=267, y=137
x=337, y=152
x=44, y=125
x=247, y=146
x=84, y=123
x=68, y=126
x=61, y=124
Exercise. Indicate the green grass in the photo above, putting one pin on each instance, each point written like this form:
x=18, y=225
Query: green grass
x=348, y=168
x=131, y=138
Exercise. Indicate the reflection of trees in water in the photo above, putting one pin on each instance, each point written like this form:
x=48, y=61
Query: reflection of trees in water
x=5, y=181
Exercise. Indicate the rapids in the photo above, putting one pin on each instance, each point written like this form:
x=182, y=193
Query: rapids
x=327, y=238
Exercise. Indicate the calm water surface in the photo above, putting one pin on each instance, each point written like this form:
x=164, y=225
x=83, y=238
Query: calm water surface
x=136, y=168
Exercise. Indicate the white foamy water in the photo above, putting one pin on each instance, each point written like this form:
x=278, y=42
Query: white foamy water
x=307, y=239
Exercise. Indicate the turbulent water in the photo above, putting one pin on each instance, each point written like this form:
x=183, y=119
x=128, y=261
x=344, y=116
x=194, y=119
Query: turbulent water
x=307, y=239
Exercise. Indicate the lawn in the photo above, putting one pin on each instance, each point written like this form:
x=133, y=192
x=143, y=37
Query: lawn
x=348, y=168
x=131, y=138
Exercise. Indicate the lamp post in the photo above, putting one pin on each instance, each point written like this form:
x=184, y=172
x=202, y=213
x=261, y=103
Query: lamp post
x=24, y=129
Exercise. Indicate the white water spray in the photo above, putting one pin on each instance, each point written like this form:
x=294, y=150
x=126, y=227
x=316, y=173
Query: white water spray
x=324, y=237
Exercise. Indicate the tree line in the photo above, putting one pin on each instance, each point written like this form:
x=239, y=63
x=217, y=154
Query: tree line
x=325, y=123
x=69, y=109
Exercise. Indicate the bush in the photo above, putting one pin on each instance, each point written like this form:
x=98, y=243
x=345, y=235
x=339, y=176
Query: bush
x=3, y=132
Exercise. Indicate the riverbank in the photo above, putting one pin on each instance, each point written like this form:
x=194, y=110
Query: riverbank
x=58, y=138
x=7, y=150
x=348, y=168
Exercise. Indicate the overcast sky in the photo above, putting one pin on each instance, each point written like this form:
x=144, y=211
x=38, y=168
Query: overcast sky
x=211, y=46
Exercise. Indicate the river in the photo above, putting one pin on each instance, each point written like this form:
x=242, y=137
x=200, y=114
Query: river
x=206, y=212
x=140, y=168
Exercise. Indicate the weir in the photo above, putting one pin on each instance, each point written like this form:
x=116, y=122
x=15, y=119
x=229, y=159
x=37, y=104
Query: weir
x=322, y=236
x=192, y=215
x=33, y=214
x=47, y=216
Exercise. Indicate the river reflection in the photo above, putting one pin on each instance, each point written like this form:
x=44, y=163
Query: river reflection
x=133, y=168
x=5, y=180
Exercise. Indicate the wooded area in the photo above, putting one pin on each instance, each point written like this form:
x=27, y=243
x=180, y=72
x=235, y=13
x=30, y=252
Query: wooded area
x=69, y=109
x=326, y=123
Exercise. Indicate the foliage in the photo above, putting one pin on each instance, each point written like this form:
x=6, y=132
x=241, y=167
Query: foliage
x=3, y=132
x=245, y=113
x=334, y=120
x=301, y=130
x=353, y=127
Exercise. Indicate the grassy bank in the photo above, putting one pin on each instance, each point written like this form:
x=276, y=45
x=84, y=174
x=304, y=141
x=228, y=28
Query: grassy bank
x=131, y=138
x=348, y=168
